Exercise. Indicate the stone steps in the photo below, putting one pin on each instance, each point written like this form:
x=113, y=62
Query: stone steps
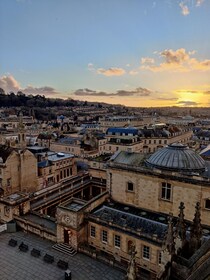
x=65, y=248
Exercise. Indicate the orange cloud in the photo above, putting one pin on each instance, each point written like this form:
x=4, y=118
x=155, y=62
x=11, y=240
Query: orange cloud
x=113, y=71
x=176, y=60
x=184, y=9
x=8, y=83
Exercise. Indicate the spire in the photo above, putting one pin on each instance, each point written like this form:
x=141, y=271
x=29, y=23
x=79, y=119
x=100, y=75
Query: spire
x=20, y=124
x=21, y=132
x=131, y=271
x=181, y=226
x=169, y=239
x=196, y=230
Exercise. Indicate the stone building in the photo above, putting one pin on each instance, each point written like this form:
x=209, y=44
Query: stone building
x=142, y=193
x=15, y=174
x=123, y=139
x=136, y=210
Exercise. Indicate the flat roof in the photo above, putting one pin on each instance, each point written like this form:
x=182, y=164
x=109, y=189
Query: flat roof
x=59, y=156
x=75, y=205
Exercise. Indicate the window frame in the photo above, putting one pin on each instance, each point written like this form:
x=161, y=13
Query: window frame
x=116, y=236
x=92, y=229
x=104, y=233
x=146, y=252
x=166, y=188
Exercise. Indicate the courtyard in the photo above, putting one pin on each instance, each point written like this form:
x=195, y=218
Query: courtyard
x=17, y=265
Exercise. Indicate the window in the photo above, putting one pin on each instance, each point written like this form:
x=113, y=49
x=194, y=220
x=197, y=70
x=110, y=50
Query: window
x=146, y=252
x=130, y=186
x=104, y=236
x=92, y=231
x=159, y=257
x=9, y=182
x=117, y=241
x=207, y=203
x=166, y=191
x=160, y=141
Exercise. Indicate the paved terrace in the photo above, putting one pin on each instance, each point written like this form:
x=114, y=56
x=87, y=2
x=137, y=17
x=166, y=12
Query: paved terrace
x=17, y=265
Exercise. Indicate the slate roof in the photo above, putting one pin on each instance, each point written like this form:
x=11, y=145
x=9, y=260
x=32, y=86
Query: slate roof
x=205, y=152
x=148, y=133
x=44, y=163
x=132, y=218
x=120, y=130
x=123, y=157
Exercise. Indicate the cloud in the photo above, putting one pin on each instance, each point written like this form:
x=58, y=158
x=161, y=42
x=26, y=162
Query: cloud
x=40, y=90
x=199, y=3
x=112, y=71
x=91, y=67
x=194, y=91
x=188, y=103
x=8, y=83
x=147, y=60
x=184, y=9
x=133, y=72
x=136, y=92
x=184, y=5
x=167, y=98
x=175, y=60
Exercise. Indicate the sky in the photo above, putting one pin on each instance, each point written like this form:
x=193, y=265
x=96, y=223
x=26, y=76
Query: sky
x=139, y=53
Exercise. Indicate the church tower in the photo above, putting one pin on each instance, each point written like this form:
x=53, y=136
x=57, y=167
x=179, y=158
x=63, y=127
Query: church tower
x=21, y=133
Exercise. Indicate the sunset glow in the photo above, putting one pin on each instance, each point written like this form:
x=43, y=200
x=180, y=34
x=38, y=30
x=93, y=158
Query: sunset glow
x=144, y=53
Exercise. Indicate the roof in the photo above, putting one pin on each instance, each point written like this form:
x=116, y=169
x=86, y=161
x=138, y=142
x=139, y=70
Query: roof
x=177, y=157
x=205, y=152
x=132, y=218
x=59, y=156
x=123, y=157
x=5, y=152
x=44, y=163
x=121, y=130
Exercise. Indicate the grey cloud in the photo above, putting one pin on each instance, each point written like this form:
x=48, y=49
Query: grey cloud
x=40, y=90
x=188, y=103
x=194, y=91
x=167, y=98
x=177, y=56
x=137, y=92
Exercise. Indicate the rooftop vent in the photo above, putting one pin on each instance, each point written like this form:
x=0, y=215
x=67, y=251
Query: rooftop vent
x=60, y=155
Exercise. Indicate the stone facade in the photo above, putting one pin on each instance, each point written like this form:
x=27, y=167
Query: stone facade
x=147, y=191
x=19, y=172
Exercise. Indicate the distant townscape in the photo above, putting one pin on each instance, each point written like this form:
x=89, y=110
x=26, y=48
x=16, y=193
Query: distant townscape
x=129, y=187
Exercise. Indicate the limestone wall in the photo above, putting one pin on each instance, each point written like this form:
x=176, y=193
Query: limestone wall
x=147, y=193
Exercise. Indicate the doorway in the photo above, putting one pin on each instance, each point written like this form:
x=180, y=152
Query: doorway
x=66, y=236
